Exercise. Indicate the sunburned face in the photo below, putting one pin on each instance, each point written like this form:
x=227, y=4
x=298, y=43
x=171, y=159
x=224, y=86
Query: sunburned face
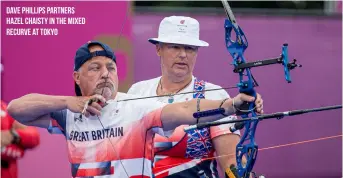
x=98, y=76
x=177, y=60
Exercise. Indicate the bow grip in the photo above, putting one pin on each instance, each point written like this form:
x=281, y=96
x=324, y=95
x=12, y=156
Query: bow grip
x=246, y=107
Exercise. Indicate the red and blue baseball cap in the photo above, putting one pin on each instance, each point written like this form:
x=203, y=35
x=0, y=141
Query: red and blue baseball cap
x=83, y=55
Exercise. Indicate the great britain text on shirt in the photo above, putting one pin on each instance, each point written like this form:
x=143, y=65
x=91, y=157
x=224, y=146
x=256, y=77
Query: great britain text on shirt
x=96, y=134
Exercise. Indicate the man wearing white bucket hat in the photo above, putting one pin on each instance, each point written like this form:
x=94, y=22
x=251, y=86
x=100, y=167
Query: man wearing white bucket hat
x=178, y=155
x=179, y=30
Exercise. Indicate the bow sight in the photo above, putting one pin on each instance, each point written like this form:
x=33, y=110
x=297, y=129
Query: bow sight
x=282, y=59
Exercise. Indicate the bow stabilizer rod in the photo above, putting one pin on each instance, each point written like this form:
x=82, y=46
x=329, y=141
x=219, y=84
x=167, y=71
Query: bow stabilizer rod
x=277, y=115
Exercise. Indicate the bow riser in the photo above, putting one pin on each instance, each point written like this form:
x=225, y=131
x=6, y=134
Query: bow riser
x=241, y=43
x=236, y=49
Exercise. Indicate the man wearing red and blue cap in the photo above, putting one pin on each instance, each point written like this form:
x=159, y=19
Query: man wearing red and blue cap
x=106, y=135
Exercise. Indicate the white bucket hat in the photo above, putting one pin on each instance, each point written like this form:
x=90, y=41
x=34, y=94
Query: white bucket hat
x=179, y=30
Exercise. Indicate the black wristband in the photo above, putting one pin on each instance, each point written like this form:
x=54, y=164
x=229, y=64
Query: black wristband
x=221, y=104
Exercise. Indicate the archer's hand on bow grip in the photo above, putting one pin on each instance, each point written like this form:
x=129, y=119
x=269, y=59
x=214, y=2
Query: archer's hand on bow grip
x=242, y=102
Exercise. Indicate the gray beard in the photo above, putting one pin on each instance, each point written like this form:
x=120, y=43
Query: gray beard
x=106, y=92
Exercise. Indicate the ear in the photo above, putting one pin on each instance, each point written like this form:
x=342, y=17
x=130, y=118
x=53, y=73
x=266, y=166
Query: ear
x=76, y=76
x=158, y=50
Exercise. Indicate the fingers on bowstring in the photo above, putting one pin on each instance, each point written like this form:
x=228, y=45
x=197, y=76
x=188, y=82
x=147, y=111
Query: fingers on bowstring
x=97, y=106
x=91, y=111
x=86, y=113
x=94, y=109
x=99, y=98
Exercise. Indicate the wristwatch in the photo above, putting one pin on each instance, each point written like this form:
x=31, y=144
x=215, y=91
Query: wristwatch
x=16, y=137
